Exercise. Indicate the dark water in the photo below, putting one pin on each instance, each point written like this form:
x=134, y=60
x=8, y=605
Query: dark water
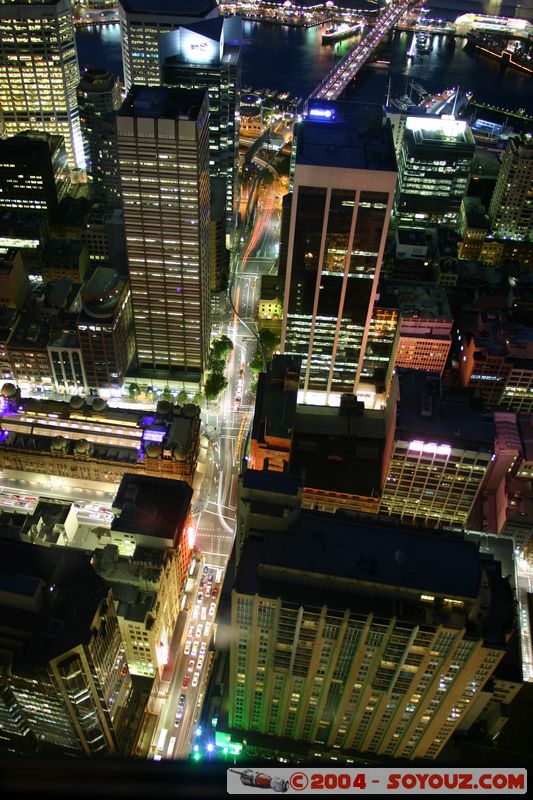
x=294, y=60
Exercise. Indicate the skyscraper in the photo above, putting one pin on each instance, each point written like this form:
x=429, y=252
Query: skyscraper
x=433, y=170
x=39, y=71
x=141, y=24
x=163, y=162
x=344, y=182
x=65, y=683
x=190, y=46
x=99, y=97
x=353, y=637
x=511, y=207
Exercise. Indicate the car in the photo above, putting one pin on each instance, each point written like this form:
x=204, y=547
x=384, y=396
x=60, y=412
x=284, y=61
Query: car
x=204, y=613
x=191, y=665
x=178, y=717
x=187, y=649
x=214, y=592
x=195, y=612
x=195, y=679
x=203, y=648
x=207, y=628
x=205, y=570
x=207, y=590
x=181, y=701
x=199, y=630
x=202, y=581
x=190, y=632
x=212, y=608
x=194, y=650
x=199, y=597
x=200, y=662
x=186, y=680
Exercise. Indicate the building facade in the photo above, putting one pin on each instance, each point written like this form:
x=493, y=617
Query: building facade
x=433, y=170
x=67, y=685
x=99, y=96
x=33, y=172
x=105, y=330
x=442, y=451
x=343, y=189
x=375, y=655
x=90, y=441
x=163, y=162
x=511, y=207
x=39, y=72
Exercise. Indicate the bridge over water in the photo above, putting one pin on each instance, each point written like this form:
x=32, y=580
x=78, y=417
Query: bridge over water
x=345, y=70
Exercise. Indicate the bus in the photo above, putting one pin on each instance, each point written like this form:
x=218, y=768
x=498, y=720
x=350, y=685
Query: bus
x=170, y=749
x=162, y=739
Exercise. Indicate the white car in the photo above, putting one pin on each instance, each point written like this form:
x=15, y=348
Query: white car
x=195, y=679
x=198, y=630
x=204, y=613
x=191, y=665
x=195, y=612
x=200, y=662
x=187, y=649
x=190, y=632
x=207, y=628
x=212, y=609
x=203, y=648
x=194, y=650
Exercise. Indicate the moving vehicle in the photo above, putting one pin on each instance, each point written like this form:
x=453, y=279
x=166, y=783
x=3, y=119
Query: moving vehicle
x=186, y=680
x=194, y=650
x=195, y=679
x=191, y=665
x=212, y=608
x=187, y=649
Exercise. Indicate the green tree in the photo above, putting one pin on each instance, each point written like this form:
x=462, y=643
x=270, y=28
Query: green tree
x=221, y=347
x=183, y=397
x=151, y=394
x=133, y=391
x=214, y=385
x=167, y=394
x=215, y=363
x=269, y=339
x=197, y=399
x=257, y=364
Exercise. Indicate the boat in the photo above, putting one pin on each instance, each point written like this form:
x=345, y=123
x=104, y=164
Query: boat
x=342, y=32
x=423, y=42
x=412, y=52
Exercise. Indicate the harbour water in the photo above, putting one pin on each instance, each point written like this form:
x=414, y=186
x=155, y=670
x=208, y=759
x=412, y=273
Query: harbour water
x=294, y=60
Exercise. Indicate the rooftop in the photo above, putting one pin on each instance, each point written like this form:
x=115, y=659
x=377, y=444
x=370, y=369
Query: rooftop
x=356, y=551
x=157, y=102
x=429, y=411
x=277, y=393
x=178, y=8
x=346, y=135
x=424, y=300
x=150, y=506
x=50, y=596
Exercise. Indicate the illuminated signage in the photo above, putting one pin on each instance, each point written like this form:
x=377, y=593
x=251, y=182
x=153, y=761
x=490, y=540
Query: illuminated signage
x=322, y=113
x=430, y=447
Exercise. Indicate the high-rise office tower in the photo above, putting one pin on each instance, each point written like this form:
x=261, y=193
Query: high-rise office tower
x=39, y=71
x=33, y=172
x=163, y=151
x=511, y=207
x=433, y=170
x=190, y=46
x=207, y=56
x=357, y=637
x=141, y=24
x=99, y=96
x=65, y=679
x=344, y=182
